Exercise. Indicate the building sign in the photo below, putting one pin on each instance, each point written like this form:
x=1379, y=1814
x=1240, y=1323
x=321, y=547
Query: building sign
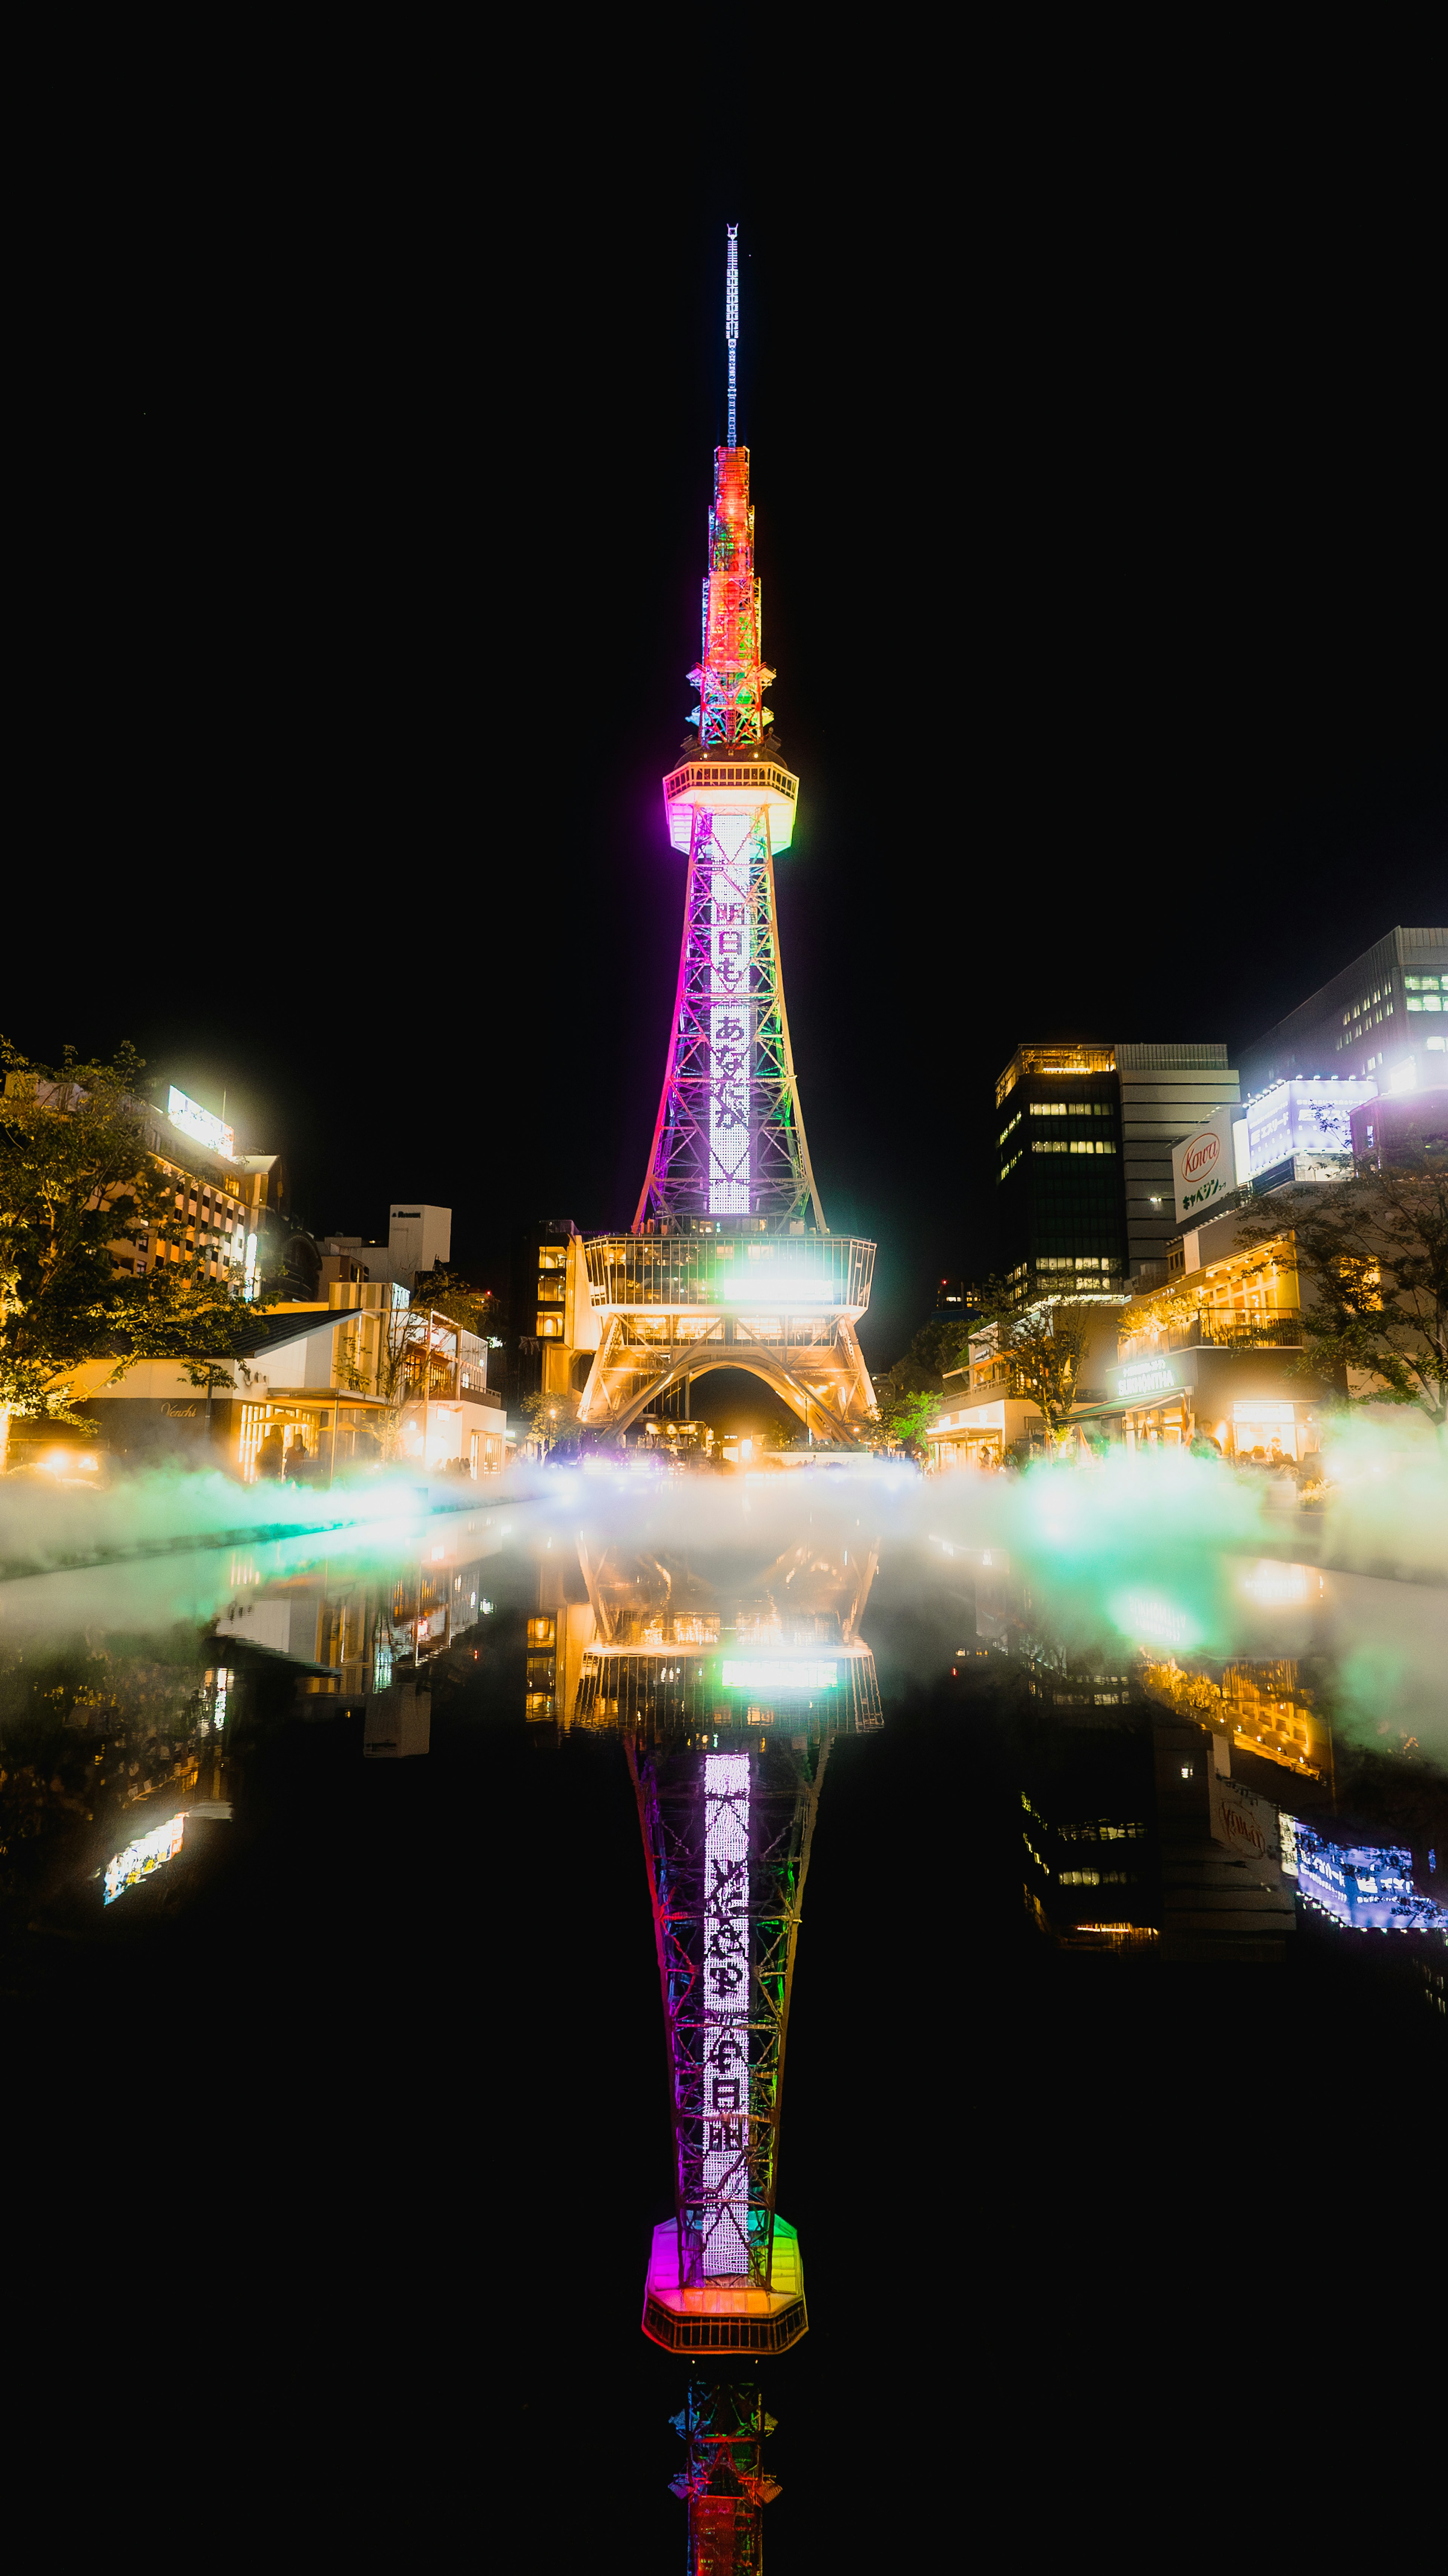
x=1145, y=1378
x=1248, y=1826
x=195, y=1121
x=779, y=1672
x=1204, y=1167
x=729, y=1014
x=147, y=1853
x=726, y=2013
x=1304, y=1117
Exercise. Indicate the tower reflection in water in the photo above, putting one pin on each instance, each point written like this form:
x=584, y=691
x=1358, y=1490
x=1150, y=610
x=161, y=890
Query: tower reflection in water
x=727, y=1689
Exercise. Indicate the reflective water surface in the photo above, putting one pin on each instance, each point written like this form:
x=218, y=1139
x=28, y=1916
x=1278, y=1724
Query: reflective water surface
x=933, y=1825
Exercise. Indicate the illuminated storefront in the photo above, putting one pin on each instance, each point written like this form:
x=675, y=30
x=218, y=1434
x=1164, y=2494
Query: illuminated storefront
x=1249, y=1402
x=986, y=1433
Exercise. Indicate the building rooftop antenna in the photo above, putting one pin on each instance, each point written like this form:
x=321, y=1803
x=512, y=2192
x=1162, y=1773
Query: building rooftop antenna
x=731, y=318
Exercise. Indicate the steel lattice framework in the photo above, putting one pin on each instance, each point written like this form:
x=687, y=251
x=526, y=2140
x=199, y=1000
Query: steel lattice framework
x=726, y=1842
x=729, y=1139
x=724, y=2481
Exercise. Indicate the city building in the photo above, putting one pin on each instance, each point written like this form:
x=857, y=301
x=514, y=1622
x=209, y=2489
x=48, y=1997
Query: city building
x=1085, y=1133
x=985, y=1420
x=1214, y=1353
x=419, y=1239
x=229, y=1214
x=217, y=1189
x=1399, y=1127
x=1166, y=1092
x=1385, y=1016
x=319, y=1390
x=1211, y=1351
x=957, y=1298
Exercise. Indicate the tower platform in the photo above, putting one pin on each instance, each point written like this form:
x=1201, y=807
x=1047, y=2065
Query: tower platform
x=725, y=2315
x=675, y=1304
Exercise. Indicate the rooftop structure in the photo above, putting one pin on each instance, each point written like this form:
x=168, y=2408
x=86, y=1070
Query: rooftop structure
x=1384, y=1016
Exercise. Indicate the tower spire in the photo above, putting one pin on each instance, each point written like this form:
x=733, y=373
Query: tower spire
x=731, y=319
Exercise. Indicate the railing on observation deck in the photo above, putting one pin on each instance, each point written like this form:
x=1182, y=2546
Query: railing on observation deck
x=814, y=1273
x=1219, y=1331
x=761, y=771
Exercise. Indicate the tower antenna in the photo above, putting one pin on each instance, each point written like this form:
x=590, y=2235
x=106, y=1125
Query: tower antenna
x=731, y=318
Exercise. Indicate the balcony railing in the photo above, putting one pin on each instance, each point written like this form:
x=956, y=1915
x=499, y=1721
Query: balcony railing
x=1220, y=1332
x=769, y=1274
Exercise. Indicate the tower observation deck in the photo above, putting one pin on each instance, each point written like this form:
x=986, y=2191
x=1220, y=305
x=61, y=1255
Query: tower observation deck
x=758, y=1281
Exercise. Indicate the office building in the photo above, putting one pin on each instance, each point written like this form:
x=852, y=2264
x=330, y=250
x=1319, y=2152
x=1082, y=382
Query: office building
x=1084, y=1175
x=554, y=1328
x=1405, y=1126
x=1385, y=1017
x=419, y=1240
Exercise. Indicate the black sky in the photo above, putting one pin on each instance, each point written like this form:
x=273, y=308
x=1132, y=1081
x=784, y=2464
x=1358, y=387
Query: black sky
x=1100, y=529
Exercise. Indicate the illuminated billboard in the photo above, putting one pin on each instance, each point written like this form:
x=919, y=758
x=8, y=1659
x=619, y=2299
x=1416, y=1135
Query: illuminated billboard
x=779, y=1672
x=730, y=1009
x=1365, y=1887
x=195, y=1121
x=1204, y=1167
x=1303, y=1117
x=147, y=1853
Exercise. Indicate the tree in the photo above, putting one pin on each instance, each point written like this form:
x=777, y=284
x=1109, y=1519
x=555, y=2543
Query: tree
x=1372, y=1254
x=1044, y=1346
x=552, y=1418
x=75, y=1176
x=448, y=1293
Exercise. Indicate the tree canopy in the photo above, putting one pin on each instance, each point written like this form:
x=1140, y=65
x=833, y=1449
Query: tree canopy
x=1372, y=1256
x=75, y=1177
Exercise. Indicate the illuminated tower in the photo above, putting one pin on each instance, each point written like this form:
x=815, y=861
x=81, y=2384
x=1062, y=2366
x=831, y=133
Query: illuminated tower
x=724, y=2481
x=729, y=1163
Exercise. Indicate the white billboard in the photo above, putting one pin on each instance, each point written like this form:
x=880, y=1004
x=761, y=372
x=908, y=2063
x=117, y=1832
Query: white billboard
x=1203, y=1167
x=1306, y=1117
x=1248, y=1825
x=195, y=1121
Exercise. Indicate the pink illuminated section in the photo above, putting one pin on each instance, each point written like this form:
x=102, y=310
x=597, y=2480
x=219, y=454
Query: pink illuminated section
x=726, y=1982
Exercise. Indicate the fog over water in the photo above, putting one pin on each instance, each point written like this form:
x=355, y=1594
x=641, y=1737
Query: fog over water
x=1177, y=1556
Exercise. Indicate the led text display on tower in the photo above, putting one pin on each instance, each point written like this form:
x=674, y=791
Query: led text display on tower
x=729, y=1015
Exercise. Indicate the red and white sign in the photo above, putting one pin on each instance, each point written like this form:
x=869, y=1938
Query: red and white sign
x=1248, y=1826
x=1204, y=1168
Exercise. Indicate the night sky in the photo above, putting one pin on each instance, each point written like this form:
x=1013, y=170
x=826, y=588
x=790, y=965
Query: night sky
x=1101, y=544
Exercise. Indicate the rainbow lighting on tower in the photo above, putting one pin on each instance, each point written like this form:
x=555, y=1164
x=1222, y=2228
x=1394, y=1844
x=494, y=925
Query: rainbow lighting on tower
x=729, y=1167
x=726, y=1841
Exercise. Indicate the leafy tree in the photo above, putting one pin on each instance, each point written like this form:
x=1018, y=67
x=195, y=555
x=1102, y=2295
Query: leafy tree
x=75, y=1176
x=1372, y=1256
x=448, y=1293
x=1046, y=1346
x=552, y=1418
x=906, y=1413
